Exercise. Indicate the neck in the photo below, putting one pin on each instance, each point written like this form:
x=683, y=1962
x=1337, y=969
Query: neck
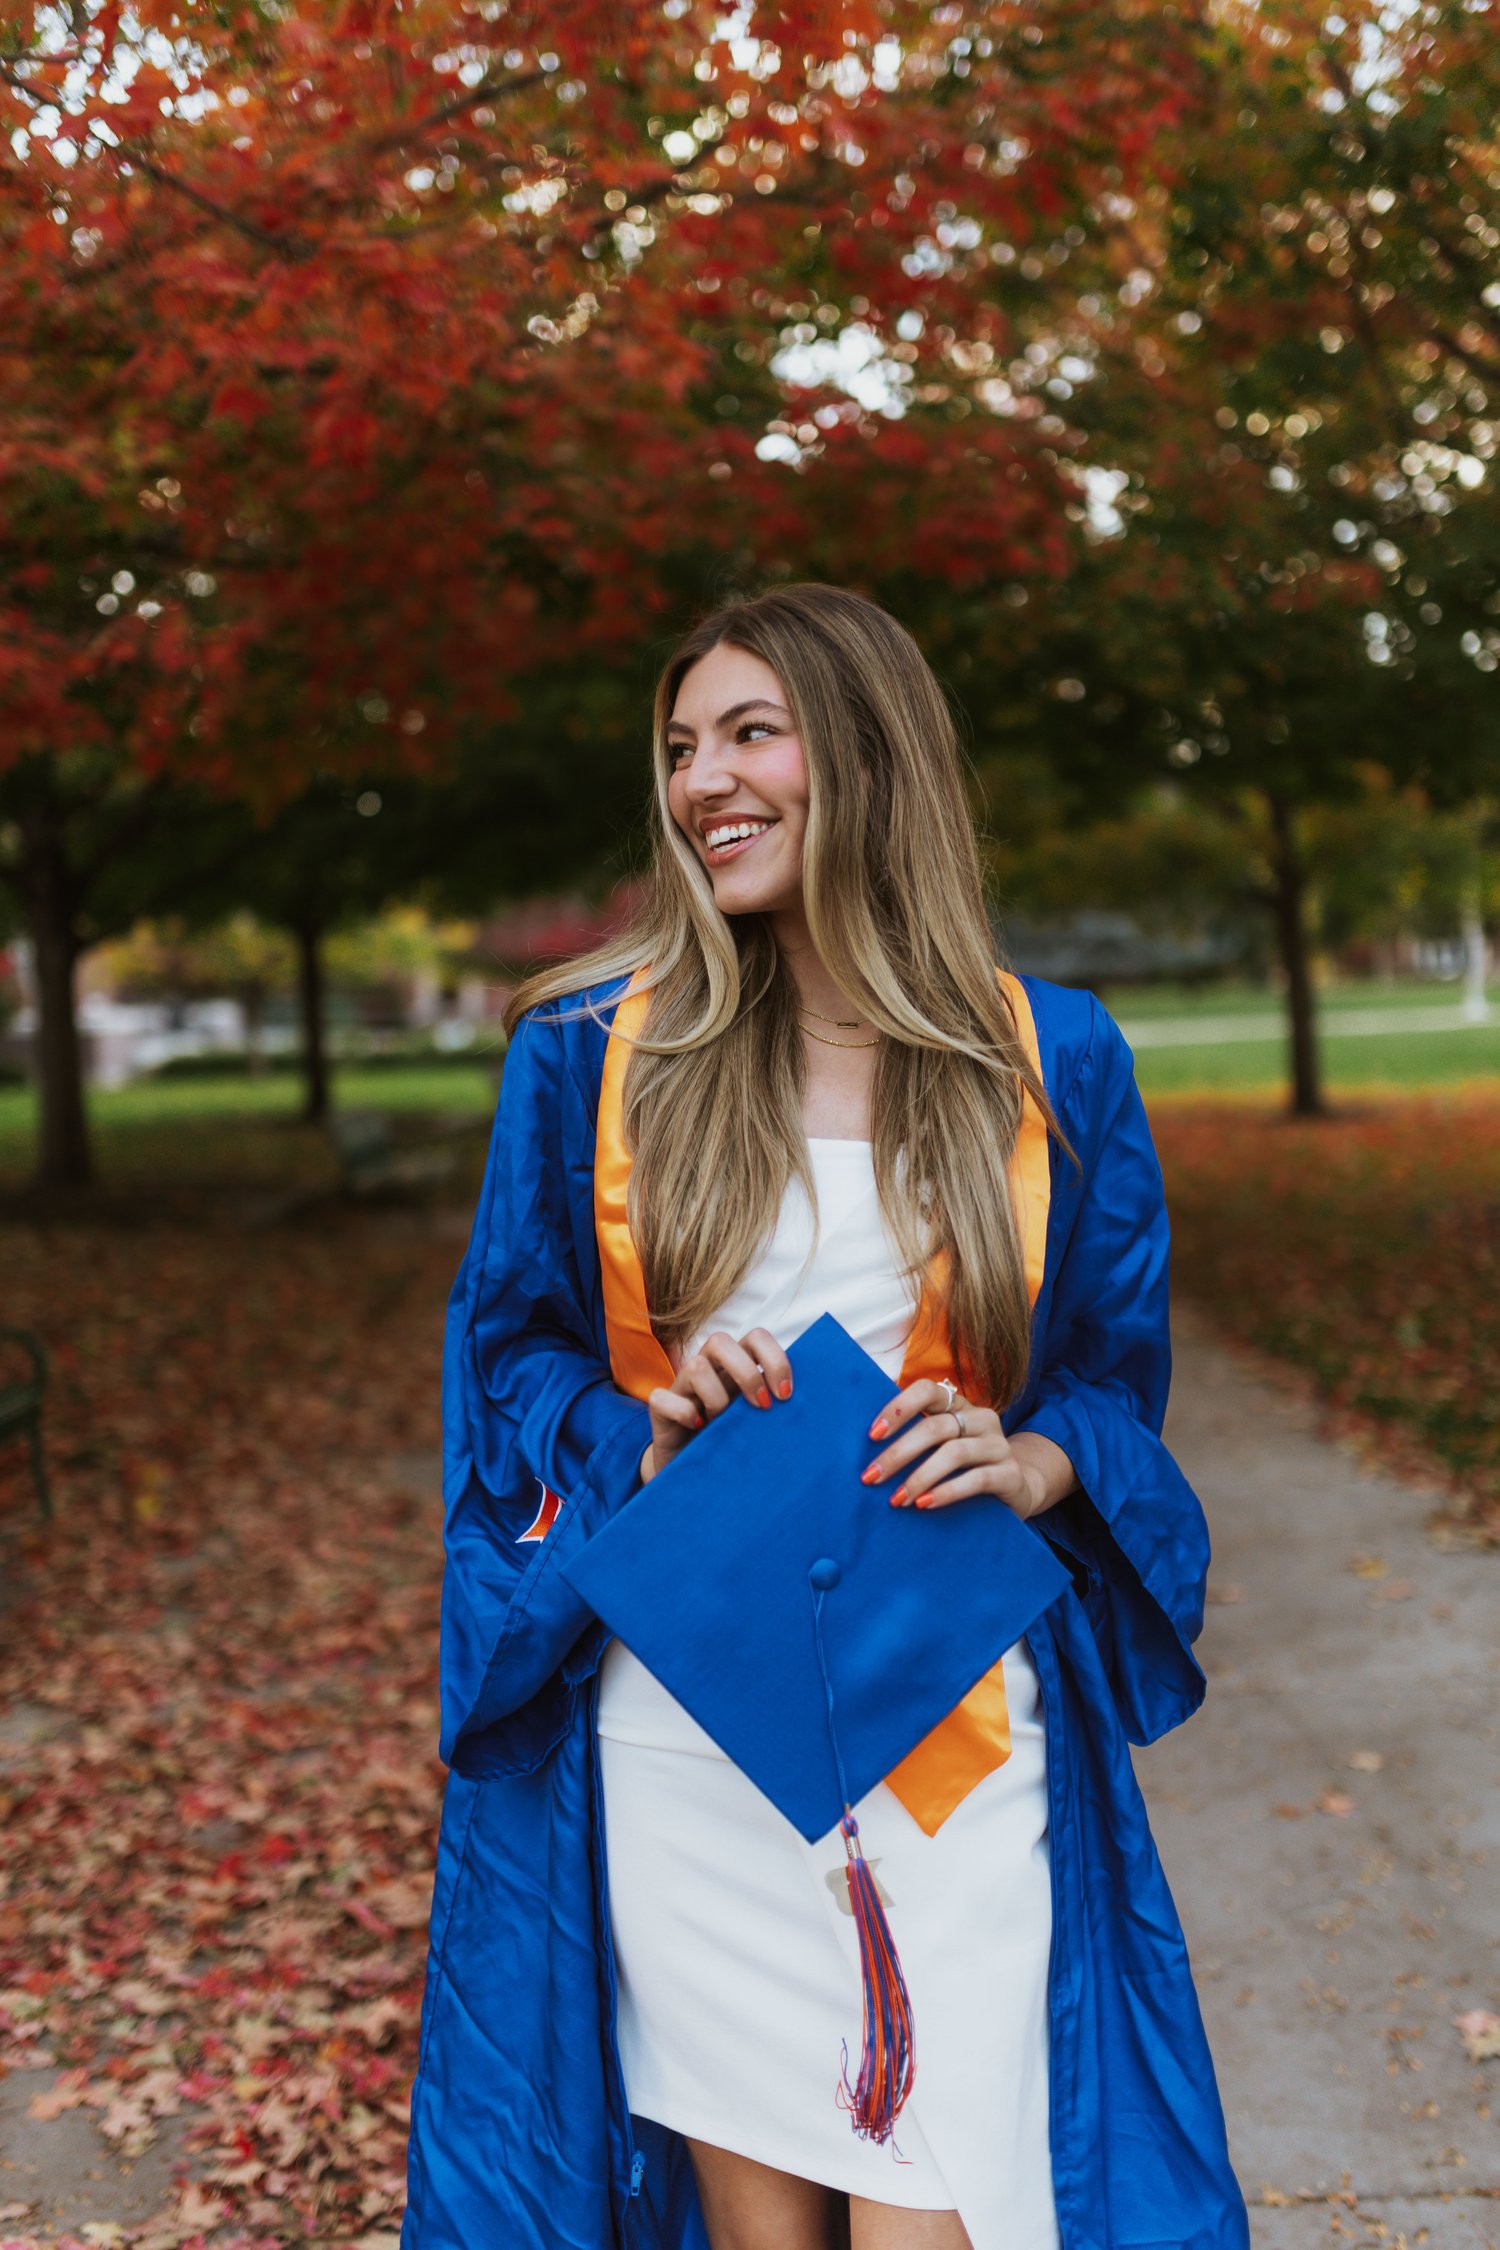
x=816, y=987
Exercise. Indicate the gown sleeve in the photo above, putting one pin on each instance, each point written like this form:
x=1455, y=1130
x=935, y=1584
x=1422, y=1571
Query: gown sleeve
x=532, y=1420
x=1134, y=1526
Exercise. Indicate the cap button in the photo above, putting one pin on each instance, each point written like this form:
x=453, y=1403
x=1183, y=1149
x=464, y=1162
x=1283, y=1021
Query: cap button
x=825, y=1573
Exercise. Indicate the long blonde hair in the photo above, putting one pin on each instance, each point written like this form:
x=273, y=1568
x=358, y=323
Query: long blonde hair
x=895, y=907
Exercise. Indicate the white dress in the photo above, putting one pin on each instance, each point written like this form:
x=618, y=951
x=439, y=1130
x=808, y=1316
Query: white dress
x=738, y=1964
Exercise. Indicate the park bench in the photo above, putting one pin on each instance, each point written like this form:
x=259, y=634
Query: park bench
x=373, y=1162
x=21, y=1403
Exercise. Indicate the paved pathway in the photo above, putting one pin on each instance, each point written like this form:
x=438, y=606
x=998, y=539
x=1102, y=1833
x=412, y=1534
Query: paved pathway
x=1351, y=1663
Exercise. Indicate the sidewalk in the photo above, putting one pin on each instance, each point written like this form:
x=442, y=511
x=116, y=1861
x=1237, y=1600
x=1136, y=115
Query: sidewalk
x=1331, y=1825
x=1351, y=1664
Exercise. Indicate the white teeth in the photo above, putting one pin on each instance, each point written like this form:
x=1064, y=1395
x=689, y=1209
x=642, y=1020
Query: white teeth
x=716, y=837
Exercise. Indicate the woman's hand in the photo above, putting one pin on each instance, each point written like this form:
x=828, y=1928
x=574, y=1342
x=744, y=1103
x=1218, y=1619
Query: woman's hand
x=944, y=1453
x=720, y=1369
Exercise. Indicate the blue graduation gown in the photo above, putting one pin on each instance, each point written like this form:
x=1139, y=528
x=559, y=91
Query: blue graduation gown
x=521, y=2137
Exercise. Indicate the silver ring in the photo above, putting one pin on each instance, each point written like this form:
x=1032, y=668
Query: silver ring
x=952, y=1390
x=963, y=1427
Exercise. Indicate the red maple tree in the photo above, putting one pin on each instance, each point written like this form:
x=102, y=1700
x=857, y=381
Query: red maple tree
x=358, y=358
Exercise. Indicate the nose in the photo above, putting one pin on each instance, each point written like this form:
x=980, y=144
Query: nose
x=710, y=776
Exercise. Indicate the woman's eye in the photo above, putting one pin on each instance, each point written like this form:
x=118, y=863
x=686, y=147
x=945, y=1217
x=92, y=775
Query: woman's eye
x=754, y=726
x=677, y=751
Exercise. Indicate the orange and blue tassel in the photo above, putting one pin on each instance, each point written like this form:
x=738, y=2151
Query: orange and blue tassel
x=887, y=2063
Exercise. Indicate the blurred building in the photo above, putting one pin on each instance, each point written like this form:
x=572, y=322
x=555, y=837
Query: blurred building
x=1093, y=948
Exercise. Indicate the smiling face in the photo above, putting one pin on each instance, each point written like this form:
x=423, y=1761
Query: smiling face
x=738, y=781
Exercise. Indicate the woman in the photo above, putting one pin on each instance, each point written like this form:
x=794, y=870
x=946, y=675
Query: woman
x=800, y=1085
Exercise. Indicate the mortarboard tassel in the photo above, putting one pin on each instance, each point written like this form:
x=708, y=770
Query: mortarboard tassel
x=887, y=2063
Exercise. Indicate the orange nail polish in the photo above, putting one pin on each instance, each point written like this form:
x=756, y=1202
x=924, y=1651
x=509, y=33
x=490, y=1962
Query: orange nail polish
x=784, y=1387
x=870, y=1475
x=879, y=1427
x=762, y=1396
x=898, y=1498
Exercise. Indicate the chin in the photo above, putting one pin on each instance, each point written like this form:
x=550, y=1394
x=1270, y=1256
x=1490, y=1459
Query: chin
x=749, y=898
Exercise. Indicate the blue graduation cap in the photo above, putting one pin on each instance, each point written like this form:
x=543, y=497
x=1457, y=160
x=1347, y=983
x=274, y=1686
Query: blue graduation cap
x=814, y=1632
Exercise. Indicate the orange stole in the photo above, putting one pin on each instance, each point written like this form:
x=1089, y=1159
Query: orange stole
x=975, y=1737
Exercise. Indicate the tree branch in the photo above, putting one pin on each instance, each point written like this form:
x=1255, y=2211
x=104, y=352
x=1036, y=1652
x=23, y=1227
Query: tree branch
x=34, y=61
x=643, y=198
x=1488, y=369
x=285, y=246
x=1364, y=324
x=488, y=90
x=1458, y=258
x=17, y=85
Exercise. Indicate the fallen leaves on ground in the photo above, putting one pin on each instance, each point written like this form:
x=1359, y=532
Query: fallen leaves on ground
x=216, y=1837
x=218, y=1791
x=1277, y=2199
x=1364, y=1251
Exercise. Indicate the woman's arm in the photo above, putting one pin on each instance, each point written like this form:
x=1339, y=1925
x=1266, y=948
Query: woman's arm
x=1133, y=1524
x=530, y=1409
x=1048, y=1472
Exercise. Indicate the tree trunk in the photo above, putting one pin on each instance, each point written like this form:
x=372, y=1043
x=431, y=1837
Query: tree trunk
x=64, y=1159
x=1290, y=881
x=310, y=994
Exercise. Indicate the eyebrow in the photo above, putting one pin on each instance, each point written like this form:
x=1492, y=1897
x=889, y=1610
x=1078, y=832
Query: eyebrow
x=735, y=711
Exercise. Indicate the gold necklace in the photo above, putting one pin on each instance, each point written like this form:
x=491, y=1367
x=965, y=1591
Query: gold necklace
x=844, y=1043
x=842, y=1023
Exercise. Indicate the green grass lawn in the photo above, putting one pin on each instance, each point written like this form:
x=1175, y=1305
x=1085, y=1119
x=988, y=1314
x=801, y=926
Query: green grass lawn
x=1384, y=1059
x=241, y=1131
x=1146, y=1002
x=234, y=1130
x=1257, y=1066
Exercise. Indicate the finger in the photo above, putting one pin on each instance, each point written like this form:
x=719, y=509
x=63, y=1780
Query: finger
x=927, y=1431
x=736, y=1367
x=921, y=1397
x=910, y=1446
x=969, y=1485
x=777, y=1368
x=699, y=1379
x=944, y=1461
x=1003, y=1480
x=671, y=1406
